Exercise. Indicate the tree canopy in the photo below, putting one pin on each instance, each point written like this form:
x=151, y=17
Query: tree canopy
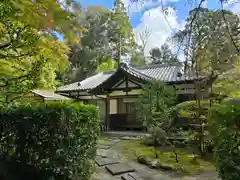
x=108, y=35
x=162, y=55
x=30, y=53
x=206, y=40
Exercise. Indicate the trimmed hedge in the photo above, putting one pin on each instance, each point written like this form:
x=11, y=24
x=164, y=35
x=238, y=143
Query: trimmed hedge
x=225, y=124
x=57, y=138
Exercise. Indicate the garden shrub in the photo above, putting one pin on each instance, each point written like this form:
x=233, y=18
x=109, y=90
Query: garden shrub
x=189, y=108
x=225, y=129
x=59, y=138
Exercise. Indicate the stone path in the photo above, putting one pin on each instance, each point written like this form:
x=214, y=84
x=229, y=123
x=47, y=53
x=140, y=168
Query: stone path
x=111, y=165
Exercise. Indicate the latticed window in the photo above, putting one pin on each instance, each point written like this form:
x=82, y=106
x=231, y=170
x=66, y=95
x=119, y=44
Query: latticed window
x=130, y=107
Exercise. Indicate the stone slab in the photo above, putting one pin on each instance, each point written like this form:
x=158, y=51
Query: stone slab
x=103, y=147
x=110, y=143
x=135, y=176
x=102, y=152
x=127, y=177
x=131, y=176
x=105, y=161
x=121, y=168
x=107, y=144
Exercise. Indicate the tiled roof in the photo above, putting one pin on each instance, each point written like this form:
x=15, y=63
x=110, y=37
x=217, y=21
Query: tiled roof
x=88, y=83
x=165, y=73
x=137, y=73
x=49, y=95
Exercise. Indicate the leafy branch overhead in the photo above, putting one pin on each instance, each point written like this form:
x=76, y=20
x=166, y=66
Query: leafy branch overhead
x=29, y=52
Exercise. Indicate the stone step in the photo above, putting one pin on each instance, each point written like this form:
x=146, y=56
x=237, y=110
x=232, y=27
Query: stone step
x=120, y=168
x=100, y=161
x=103, y=146
x=131, y=176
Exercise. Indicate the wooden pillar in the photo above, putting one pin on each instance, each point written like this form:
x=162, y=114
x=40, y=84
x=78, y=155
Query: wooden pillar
x=107, y=114
x=126, y=85
x=120, y=106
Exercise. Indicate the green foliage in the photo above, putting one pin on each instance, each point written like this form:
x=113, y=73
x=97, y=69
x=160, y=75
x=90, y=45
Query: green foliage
x=225, y=129
x=108, y=65
x=30, y=54
x=207, y=42
x=189, y=108
x=154, y=103
x=162, y=55
x=228, y=83
x=137, y=60
x=166, y=156
x=158, y=135
x=56, y=137
x=101, y=40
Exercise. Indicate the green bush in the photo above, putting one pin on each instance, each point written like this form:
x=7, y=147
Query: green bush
x=225, y=129
x=189, y=108
x=58, y=137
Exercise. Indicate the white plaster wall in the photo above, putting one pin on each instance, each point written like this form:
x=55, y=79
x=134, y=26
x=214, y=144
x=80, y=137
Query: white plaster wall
x=113, y=106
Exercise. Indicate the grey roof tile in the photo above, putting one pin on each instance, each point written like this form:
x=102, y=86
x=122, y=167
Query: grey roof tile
x=165, y=73
x=86, y=84
x=49, y=95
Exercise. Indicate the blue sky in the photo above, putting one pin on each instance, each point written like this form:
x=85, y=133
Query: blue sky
x=180, y=5
x=149, y=15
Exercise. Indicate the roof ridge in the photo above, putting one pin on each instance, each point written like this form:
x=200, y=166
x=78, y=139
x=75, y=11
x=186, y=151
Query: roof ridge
x=137, y=71
x=158, y=65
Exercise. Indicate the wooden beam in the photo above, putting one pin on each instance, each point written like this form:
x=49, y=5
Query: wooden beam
x=139, y=85
x=127, y=89
x=124, y=96
x=119, y=83
x=107, y=114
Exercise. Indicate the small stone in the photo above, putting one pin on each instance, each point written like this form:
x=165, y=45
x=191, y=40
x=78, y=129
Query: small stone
x=154, y=164
x=166, y=167
x=143, y=160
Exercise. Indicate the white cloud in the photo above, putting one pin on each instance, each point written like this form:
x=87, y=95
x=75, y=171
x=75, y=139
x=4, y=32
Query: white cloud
x=232, y=5
x=205, y=4
x=160, y=25
x=236, y=8
x=229, y=3
x=142, y=5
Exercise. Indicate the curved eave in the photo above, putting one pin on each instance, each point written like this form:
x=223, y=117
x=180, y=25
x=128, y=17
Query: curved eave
x=117, y=76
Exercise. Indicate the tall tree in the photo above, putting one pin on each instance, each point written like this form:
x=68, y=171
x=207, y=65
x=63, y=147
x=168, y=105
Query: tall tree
x=138, y=57
x=162, y=55
x=156, y=55
x=209, y=49
x=206, y=39
x=107, y=33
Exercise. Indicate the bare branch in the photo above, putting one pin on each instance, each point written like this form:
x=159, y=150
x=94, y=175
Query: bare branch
x=144, y=37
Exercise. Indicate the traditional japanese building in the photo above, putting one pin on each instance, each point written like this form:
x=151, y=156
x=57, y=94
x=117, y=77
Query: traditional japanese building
x=116, y=91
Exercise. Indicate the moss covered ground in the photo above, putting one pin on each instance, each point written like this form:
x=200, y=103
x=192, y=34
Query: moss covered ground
x=135, y=148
